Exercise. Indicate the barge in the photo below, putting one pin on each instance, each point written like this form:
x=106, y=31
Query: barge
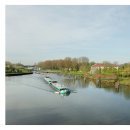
x=57, y=86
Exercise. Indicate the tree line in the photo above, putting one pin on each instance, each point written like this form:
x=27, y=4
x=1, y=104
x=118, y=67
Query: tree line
x=15, y=68
x=68, y=63
x=71, y=64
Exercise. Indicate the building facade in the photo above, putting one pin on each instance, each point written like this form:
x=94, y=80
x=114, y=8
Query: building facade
x=99, y=66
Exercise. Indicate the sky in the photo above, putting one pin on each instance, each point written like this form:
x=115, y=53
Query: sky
x=36, y=33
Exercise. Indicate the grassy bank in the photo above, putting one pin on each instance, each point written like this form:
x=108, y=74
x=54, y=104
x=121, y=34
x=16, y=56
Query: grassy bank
x=125, y=81
x=108, y=79
x=73, y=73
x=17, y=69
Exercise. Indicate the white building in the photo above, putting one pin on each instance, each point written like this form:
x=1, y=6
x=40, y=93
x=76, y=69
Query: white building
x=99, y=66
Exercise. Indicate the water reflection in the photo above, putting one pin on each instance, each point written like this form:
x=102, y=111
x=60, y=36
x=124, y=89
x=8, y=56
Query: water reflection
x=116, y=88
x=76, y=82
x=80, y=82
x=30, y=100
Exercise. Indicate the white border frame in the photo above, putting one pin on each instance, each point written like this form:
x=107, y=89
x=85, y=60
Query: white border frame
x=2, y=57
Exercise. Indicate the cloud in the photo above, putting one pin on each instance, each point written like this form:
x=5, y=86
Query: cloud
x=34, y=32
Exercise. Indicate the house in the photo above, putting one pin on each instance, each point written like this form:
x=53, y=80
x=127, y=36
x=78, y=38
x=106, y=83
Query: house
x=101, y=66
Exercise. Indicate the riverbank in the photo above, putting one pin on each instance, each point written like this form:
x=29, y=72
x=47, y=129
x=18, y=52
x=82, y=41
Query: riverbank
x=110, y=80
x=73, y=73
x=125, y=81
x=17, y=69
x=18, y=74
x=106, y=79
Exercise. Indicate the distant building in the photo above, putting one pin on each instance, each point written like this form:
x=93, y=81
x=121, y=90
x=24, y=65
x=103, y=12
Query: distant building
x=100, y=66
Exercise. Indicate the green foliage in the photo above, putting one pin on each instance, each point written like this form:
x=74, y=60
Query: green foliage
x=16, y=68
x=124, y=70
x=109, y=71
x=67, y=64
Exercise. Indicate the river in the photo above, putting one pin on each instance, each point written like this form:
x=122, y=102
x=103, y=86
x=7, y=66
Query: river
x=31, y=101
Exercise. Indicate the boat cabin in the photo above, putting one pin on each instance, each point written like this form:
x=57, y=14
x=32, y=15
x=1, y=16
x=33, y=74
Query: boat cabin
x=47, y=77
x=54, y=82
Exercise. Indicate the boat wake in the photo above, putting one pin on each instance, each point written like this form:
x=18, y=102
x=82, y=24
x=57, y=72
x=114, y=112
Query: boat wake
x=51, y=91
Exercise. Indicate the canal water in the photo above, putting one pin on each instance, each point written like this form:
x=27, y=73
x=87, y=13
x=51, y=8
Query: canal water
x=31, y=101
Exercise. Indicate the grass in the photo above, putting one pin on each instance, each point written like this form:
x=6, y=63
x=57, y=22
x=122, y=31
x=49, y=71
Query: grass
x=74, y=73
x=125, y=81
x=18, y=71
x=107, y=78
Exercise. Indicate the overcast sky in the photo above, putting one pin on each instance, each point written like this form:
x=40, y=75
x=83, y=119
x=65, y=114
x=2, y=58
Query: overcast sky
x=37, y=33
